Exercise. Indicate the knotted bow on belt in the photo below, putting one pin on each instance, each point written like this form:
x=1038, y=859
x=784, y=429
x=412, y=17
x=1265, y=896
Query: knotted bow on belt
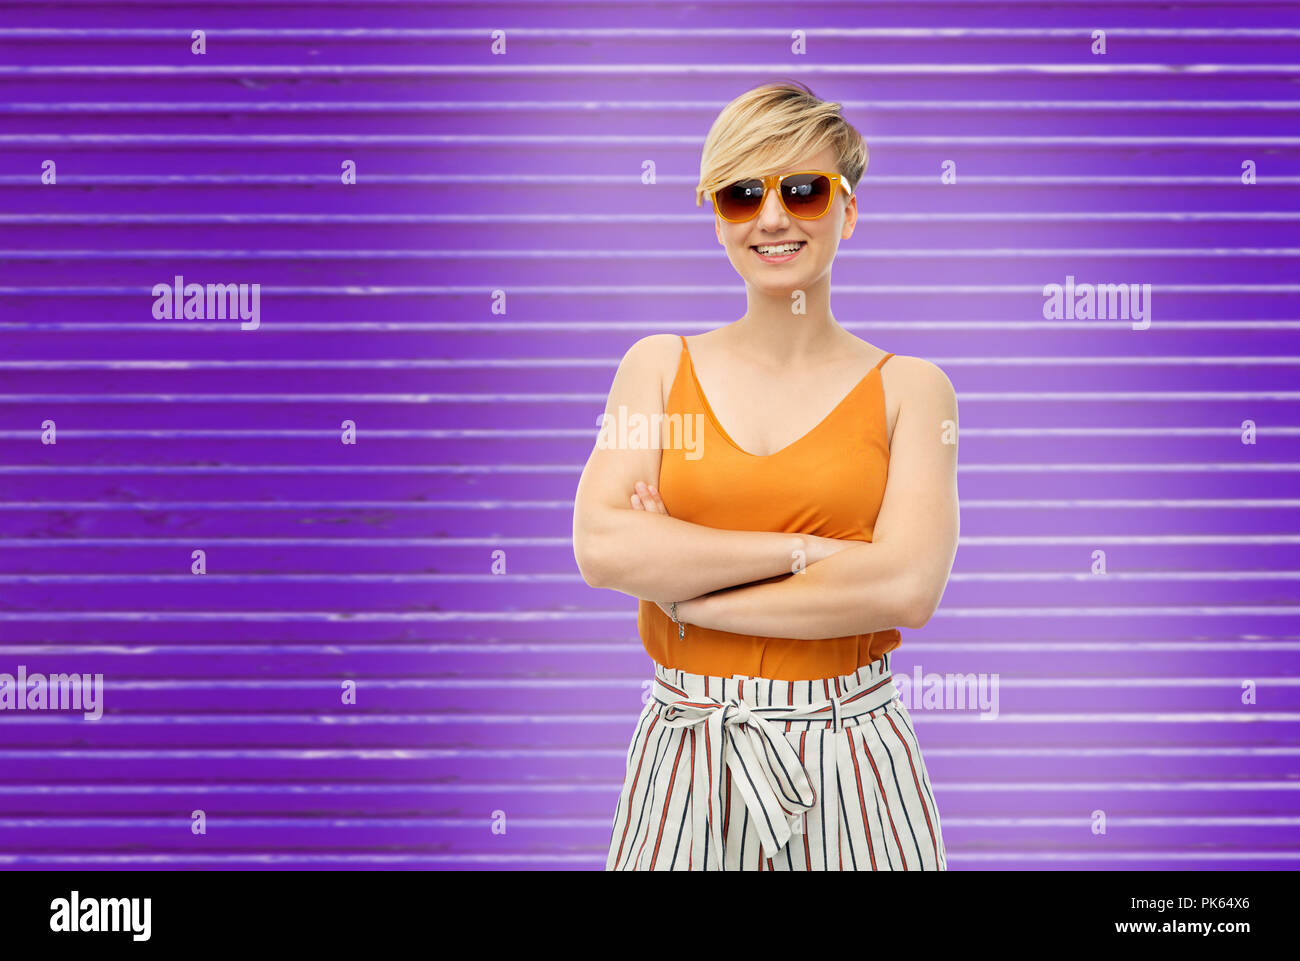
x=764, y=764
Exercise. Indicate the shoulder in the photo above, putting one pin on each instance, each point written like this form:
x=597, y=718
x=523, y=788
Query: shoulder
x=918, y=379
x=652, y=360
x=919, y=400
x=654, y=347
x=656, y=354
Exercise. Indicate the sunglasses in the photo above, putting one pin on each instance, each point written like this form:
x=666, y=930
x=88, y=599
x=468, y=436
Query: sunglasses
x=806, y=195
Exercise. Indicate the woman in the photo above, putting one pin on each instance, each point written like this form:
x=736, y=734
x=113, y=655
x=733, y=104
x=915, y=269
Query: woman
x=773, y=563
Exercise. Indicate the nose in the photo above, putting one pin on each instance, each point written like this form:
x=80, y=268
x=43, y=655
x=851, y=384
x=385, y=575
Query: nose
x=772, y=214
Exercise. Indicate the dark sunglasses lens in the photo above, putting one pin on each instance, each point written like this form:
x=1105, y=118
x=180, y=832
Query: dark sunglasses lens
x=807, y=195
x=741, y=200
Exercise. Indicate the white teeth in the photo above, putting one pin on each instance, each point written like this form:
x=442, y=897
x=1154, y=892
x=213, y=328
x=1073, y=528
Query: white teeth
x=775, y=251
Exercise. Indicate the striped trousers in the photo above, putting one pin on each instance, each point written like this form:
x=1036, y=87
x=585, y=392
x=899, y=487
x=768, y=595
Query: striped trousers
x=749, y=773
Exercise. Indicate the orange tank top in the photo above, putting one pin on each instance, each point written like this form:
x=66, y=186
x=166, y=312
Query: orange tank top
x=830, y=482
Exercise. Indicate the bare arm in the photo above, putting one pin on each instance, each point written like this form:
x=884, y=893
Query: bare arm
x=654, y=556
x=896, y=580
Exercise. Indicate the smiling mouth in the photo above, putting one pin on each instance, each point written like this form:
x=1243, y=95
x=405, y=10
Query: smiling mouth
x=779, y=258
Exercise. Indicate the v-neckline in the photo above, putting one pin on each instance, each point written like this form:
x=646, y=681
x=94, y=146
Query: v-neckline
x=713, y=418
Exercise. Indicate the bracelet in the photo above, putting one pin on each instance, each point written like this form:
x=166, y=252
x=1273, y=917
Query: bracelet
x=681, y=628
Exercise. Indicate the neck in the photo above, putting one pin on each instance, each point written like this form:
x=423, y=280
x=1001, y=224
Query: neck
x=774, y=334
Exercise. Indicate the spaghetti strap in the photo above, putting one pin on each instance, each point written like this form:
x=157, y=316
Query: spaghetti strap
x=881, y=362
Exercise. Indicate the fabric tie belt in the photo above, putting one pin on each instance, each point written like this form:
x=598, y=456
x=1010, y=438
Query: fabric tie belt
x=764, y=764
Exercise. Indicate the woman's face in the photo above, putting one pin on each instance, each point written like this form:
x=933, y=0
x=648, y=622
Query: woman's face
x=773, y=224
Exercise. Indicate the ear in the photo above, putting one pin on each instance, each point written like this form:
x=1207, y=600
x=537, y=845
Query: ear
x=850, y=217
x=717, y=228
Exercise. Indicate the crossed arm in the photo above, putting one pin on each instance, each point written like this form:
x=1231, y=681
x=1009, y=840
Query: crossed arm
x=842, y=588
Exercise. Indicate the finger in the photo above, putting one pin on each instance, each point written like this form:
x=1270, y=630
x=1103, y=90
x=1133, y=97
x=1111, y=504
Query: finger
x=652, y=500
x=659, y=501
x=636, y=503
x=647, y=501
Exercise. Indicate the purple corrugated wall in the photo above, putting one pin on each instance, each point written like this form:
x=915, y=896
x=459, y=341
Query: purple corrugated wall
x=493, y=709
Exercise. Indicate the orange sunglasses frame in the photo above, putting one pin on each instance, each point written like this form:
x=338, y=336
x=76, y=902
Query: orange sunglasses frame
x=776, y=181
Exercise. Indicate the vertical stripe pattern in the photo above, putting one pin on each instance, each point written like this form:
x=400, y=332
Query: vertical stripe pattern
x=746, y=773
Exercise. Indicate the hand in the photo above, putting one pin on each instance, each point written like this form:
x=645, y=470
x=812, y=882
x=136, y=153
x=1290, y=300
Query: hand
x=647, y=499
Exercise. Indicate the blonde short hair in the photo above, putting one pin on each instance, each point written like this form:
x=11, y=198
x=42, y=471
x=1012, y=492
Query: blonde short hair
x=772, y=127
